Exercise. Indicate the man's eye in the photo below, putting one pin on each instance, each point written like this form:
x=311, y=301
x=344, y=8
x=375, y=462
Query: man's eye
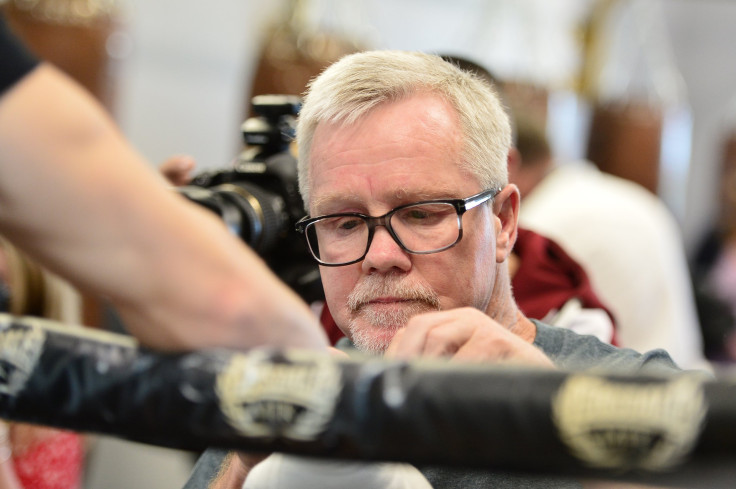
x=346, y=224
x=342, y=225
x=417, y=214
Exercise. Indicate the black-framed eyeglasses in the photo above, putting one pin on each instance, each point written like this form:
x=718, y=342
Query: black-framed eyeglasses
x=420, y=228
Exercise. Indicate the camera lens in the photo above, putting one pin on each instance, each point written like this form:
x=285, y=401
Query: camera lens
x=256, y=215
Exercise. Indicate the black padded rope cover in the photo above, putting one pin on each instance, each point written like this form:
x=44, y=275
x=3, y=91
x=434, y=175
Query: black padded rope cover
x=308, y=403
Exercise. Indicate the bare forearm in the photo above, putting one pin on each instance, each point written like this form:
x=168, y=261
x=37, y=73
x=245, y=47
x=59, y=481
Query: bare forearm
x=67, y=178
x=77, y=197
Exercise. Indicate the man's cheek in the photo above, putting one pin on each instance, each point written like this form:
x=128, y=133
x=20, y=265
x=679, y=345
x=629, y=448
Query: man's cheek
x=337, y=285
x=336, y=299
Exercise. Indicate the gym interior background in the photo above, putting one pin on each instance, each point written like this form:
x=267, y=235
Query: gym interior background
x=178, y=76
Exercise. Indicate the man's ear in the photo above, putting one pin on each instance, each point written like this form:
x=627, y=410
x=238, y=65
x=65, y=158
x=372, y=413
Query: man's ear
x=513, y=163
x=506, y=208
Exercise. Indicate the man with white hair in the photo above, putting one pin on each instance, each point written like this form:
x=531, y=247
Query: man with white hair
x=402, y=169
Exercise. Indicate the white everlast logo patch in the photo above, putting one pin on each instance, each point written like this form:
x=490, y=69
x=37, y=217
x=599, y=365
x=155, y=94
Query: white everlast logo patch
x=20, y=348
x=294, y=398
x=623, y=425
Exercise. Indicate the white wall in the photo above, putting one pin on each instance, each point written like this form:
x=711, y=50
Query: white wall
x=182, y=87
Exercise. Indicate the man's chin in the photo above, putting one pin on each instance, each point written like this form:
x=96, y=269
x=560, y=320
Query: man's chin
x=374, y=325
x=372, y=339
x=374, y=328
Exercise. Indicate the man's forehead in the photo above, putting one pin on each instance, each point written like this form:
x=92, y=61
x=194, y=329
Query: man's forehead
x=330, y=198
x=429, y=109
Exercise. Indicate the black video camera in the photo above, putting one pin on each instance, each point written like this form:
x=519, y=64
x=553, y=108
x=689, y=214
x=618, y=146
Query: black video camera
x=258, y=198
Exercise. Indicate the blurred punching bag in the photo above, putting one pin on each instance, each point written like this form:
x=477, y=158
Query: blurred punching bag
x=294, y=52
x=727, y=175
x=624, y=141
x=636, y=93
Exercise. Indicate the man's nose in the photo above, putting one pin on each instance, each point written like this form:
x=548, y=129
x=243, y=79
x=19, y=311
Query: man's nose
x=385, y=253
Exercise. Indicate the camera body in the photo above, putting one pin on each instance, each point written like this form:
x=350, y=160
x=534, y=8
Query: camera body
x=258, y=197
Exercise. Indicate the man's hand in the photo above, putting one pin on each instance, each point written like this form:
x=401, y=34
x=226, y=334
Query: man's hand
x=464, y=334
x=178, y=169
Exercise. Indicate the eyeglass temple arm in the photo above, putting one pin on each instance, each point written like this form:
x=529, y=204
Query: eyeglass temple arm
x=481, y=198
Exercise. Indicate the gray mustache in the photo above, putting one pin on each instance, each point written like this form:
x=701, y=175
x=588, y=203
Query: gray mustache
x=374, y=286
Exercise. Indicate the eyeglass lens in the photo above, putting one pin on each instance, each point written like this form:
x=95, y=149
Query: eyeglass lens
x=420, y=228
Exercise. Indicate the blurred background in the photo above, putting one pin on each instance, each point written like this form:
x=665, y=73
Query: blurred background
x=644, y=89
x=183, y=71
x=178, y=75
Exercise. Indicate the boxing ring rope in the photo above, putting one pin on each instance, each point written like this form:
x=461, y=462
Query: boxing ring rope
x=672, y=430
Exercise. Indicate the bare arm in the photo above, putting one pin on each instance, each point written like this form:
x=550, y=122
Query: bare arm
x=78, y=198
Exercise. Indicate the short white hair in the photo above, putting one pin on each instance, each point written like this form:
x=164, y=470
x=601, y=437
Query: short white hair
x=358, y=83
